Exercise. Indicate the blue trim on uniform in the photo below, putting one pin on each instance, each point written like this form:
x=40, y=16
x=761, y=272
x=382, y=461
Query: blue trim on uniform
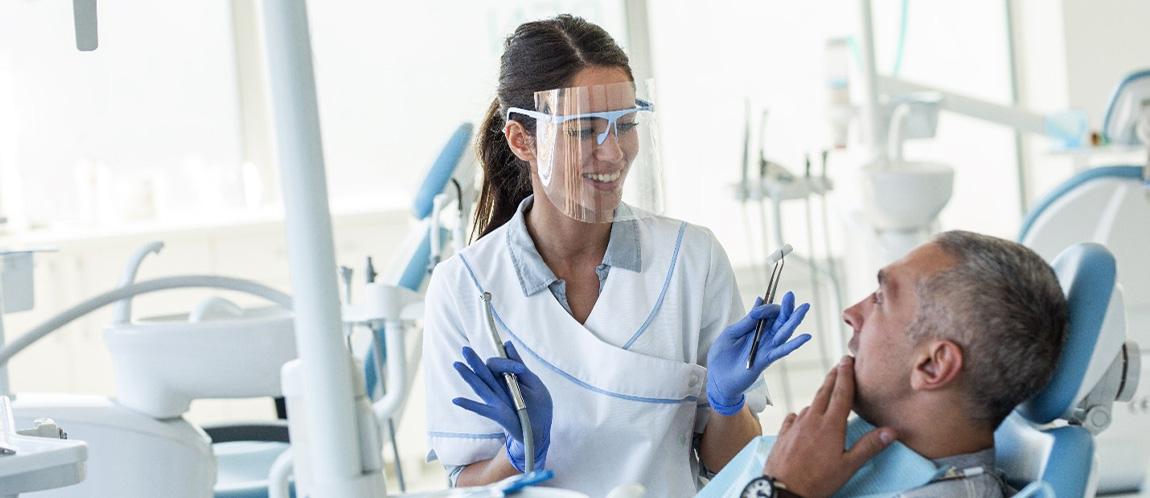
x=663, y=293
x=1134, y=172
x=558, y=370
x=467, y=435
x=472, y=273
x=1114, y=96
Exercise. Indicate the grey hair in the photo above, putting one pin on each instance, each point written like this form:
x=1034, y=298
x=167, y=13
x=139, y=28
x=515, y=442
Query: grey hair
x=1002, y=304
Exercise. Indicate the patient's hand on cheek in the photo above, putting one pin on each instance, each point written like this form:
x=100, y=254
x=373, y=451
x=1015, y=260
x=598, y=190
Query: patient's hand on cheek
x=809, y=456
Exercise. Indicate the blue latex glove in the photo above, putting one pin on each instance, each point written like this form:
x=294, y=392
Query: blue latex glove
x=727, y=374
x=487, y=382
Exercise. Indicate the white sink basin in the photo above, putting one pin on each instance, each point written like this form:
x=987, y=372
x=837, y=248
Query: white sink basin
x=906, y=195
x=162, y=363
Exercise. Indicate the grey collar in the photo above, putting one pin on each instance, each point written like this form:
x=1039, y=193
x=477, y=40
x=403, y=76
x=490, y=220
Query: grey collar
x=624, y=250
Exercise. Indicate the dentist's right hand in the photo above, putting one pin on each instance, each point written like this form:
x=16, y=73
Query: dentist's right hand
x=486, y=379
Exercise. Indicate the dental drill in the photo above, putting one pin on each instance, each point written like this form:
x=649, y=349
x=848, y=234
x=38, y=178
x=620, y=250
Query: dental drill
x=513, y=387
x=776, y=259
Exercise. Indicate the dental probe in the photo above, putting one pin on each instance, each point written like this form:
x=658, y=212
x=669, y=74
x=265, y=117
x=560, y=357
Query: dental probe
x=513, y=387
x=776, y=259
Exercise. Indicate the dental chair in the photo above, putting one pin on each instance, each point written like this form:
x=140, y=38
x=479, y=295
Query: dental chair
x=1051, y=437
x=247, y=452
x=1110, y=205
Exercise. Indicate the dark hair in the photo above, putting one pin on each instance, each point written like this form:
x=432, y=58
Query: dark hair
x=539, y=55
x=1003, y=305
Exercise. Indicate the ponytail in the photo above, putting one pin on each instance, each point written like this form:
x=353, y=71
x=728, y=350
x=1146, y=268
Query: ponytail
x=506, y=179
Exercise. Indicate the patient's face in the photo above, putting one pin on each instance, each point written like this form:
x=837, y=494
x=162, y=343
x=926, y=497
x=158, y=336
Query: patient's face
x=880, y=343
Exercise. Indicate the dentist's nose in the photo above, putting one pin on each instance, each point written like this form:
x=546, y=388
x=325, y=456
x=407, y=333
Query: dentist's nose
x=608, y=148
x=603, y=136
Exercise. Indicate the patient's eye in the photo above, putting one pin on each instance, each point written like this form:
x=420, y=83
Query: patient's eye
x=876, y=297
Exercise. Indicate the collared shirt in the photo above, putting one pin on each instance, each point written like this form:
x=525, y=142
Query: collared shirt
x=623, y=251
x=985, y=485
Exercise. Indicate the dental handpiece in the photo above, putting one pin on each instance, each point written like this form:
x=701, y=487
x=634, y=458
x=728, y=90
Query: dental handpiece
x=776, y=259
x=513, y=388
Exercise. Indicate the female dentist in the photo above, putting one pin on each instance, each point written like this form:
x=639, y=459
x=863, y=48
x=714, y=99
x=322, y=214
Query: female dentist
x=616, y=319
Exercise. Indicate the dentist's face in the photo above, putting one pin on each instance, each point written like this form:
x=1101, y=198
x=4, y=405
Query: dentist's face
x=584, y=170
x=881, y=343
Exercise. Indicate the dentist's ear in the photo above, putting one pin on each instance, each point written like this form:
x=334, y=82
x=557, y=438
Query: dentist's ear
x=520, y=140
x=937, y=364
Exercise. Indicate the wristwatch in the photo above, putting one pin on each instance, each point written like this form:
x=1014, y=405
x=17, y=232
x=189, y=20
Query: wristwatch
x=762, y=487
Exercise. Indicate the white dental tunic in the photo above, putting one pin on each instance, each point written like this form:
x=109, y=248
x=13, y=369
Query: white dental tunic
x=627, y=386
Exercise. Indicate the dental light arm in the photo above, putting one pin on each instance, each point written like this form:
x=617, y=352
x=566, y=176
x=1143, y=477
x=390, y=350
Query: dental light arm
x=1006, y=115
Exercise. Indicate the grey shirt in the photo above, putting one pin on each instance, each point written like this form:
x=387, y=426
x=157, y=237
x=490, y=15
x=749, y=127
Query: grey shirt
x=984, y=485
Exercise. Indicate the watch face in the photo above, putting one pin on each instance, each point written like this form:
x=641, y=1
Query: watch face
x=760, y=487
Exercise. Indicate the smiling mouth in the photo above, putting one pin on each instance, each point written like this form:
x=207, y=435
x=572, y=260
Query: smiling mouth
x=603, y=177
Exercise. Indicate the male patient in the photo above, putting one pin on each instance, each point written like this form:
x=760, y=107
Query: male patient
x=959, y=332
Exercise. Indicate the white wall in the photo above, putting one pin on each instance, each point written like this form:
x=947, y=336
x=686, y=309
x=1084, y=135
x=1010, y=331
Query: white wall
x=1072, y=55
x=396, y=78
x=709, y=61
x=149, y=126
x=155, y=105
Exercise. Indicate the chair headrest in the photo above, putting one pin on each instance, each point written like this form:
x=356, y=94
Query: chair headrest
x=441, y=171
x=1122, y=112
x=1087, y=274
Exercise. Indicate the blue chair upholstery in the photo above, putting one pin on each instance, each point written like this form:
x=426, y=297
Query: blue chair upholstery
x=1111, y=206
x=442, y=170
x=1029, y=449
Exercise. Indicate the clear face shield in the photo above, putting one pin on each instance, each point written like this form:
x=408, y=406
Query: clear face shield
x=597, y=153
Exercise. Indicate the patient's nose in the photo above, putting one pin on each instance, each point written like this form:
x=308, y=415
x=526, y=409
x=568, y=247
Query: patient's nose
x=853, y=315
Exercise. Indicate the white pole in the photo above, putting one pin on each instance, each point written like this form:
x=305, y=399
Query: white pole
x=873, y=130
x=327, y=383
x=3, y=366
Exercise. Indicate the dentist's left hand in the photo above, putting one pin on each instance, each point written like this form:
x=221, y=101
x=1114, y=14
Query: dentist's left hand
x=487, y=382
x=727, y=374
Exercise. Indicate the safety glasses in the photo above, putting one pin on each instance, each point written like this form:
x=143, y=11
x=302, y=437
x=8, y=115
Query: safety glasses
x=611, y=118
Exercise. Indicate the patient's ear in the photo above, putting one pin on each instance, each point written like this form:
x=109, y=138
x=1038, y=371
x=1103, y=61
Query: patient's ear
x=937, y=364
x=519, y=140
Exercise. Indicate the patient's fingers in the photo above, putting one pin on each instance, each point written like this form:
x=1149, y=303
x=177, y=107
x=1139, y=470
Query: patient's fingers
x=871, y=444
x=843, y=395
x=822, y=397
x=787, y=422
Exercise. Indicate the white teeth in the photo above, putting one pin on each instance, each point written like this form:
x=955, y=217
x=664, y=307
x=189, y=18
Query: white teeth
x=606, y=178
